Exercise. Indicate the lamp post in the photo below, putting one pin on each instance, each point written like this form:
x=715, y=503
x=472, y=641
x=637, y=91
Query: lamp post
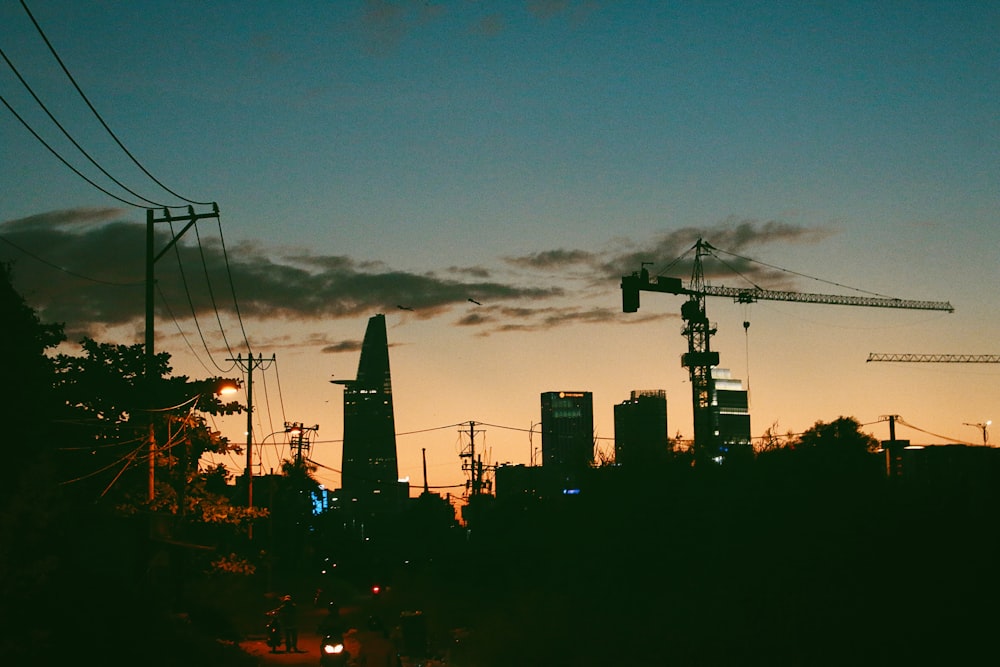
x=982, y=426
x=218, y=387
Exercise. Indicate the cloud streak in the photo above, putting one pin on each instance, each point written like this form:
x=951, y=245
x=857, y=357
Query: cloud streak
x=100, y=277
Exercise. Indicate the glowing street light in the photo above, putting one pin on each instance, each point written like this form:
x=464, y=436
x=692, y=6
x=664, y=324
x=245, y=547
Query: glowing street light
x=217, y=386
x=981, y=426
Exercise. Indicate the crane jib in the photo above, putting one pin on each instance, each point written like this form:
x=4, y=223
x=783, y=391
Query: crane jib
x=641, y=281
x=749, y=296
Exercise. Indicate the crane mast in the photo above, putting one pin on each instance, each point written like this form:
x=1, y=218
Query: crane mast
x=699, y=358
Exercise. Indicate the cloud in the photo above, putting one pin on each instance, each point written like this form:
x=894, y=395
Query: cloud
x=342, y=346
x=94, y=275
x=553, y=259
x=86, y=268
x=670, y=253
x=489, y=25
x=508, y=319
x=385, y=23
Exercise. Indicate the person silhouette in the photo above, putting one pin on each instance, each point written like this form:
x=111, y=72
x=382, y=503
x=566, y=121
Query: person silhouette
x=288, y=614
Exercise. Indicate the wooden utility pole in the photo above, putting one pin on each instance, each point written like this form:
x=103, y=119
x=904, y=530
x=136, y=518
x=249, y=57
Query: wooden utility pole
x=474, y=469
x=248, y=366
x=423, y=455
x=151, y=258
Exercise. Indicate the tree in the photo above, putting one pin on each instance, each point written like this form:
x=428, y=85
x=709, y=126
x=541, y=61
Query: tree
x=29, y=506
x=840, y=438
x=26, y=411
x=109, y=398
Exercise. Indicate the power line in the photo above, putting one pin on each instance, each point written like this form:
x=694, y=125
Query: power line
x=69, y=136
x=98, y=115
x=191, y=308
x=211, y=292
x=63, y=269
x=184, y=337
x=232, y=288
x=61, y=158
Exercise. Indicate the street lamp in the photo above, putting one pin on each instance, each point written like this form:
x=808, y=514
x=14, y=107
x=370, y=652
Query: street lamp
x=981, y=426
x=216, y=386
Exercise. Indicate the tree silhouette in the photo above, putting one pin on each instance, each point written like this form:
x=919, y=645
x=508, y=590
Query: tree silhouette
x=108, y=397
x=841, y=437
x=26, y=410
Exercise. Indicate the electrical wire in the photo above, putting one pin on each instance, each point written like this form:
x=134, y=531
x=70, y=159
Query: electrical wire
x=943, y=437
x=229, y=273
x=46, y=262
x=129, y=455
x=98, y=115
x=184, y=337
x=211, y=292
x=194, y=314
x=281, y=396
x=61, y=158
x=66, y=133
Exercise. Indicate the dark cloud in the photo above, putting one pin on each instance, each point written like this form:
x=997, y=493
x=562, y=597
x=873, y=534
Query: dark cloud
x=506, y=319
x=478, y=272
x=554, y=259
x=86, y=268
x=342, y=346
x=670, y=253
x=94, y=274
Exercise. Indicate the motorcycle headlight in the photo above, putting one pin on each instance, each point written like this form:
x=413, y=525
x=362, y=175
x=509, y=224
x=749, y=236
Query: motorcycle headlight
x=333, y=648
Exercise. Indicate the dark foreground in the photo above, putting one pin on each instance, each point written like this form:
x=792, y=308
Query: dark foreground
x=799, y=571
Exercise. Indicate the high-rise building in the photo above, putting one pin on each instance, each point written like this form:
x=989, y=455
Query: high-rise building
x=369, y=459
x=641, y=429
x=567, y=429
x=731, y=410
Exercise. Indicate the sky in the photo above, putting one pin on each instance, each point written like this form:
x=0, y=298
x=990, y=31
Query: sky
x=495, y=168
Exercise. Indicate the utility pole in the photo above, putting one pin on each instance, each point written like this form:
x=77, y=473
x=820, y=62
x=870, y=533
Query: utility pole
x=476, y=480
x=151, y=258
x=423, y=455
x=891, y=447
x=300, y=441
x=248, y=365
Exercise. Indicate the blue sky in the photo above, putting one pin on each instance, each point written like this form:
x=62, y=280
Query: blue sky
x=369, y=154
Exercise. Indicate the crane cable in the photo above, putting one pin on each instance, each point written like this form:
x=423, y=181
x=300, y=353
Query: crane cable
x=746, y=338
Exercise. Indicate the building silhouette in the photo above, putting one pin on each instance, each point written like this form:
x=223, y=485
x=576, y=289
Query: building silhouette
x=370, y=472
x=567, y=429
x=730, y=411
x=641, y=429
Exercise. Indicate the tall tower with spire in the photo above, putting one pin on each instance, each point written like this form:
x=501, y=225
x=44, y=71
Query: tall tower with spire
x=370, y=469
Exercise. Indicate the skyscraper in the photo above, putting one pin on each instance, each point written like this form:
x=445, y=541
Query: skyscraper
x=567, y=429
x=731, y=411
x=369, y=459
x=641, y=429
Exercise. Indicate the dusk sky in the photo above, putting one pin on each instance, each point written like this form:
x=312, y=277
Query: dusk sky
x=524, y=155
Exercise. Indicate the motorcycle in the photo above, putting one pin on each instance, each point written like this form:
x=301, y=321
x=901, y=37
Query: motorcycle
x=332, y=652
x=274, y=634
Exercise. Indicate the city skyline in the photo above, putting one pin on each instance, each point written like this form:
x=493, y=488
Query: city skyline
x=483, y=174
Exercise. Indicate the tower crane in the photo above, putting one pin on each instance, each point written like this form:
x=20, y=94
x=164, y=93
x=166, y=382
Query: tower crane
x=937, y=358
x=700, y=358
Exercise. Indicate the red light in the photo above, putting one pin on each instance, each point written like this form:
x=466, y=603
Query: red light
x=376, y=589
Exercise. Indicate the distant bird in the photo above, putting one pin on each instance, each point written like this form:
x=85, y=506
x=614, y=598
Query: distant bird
x=403, y=307
x=474, y=301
